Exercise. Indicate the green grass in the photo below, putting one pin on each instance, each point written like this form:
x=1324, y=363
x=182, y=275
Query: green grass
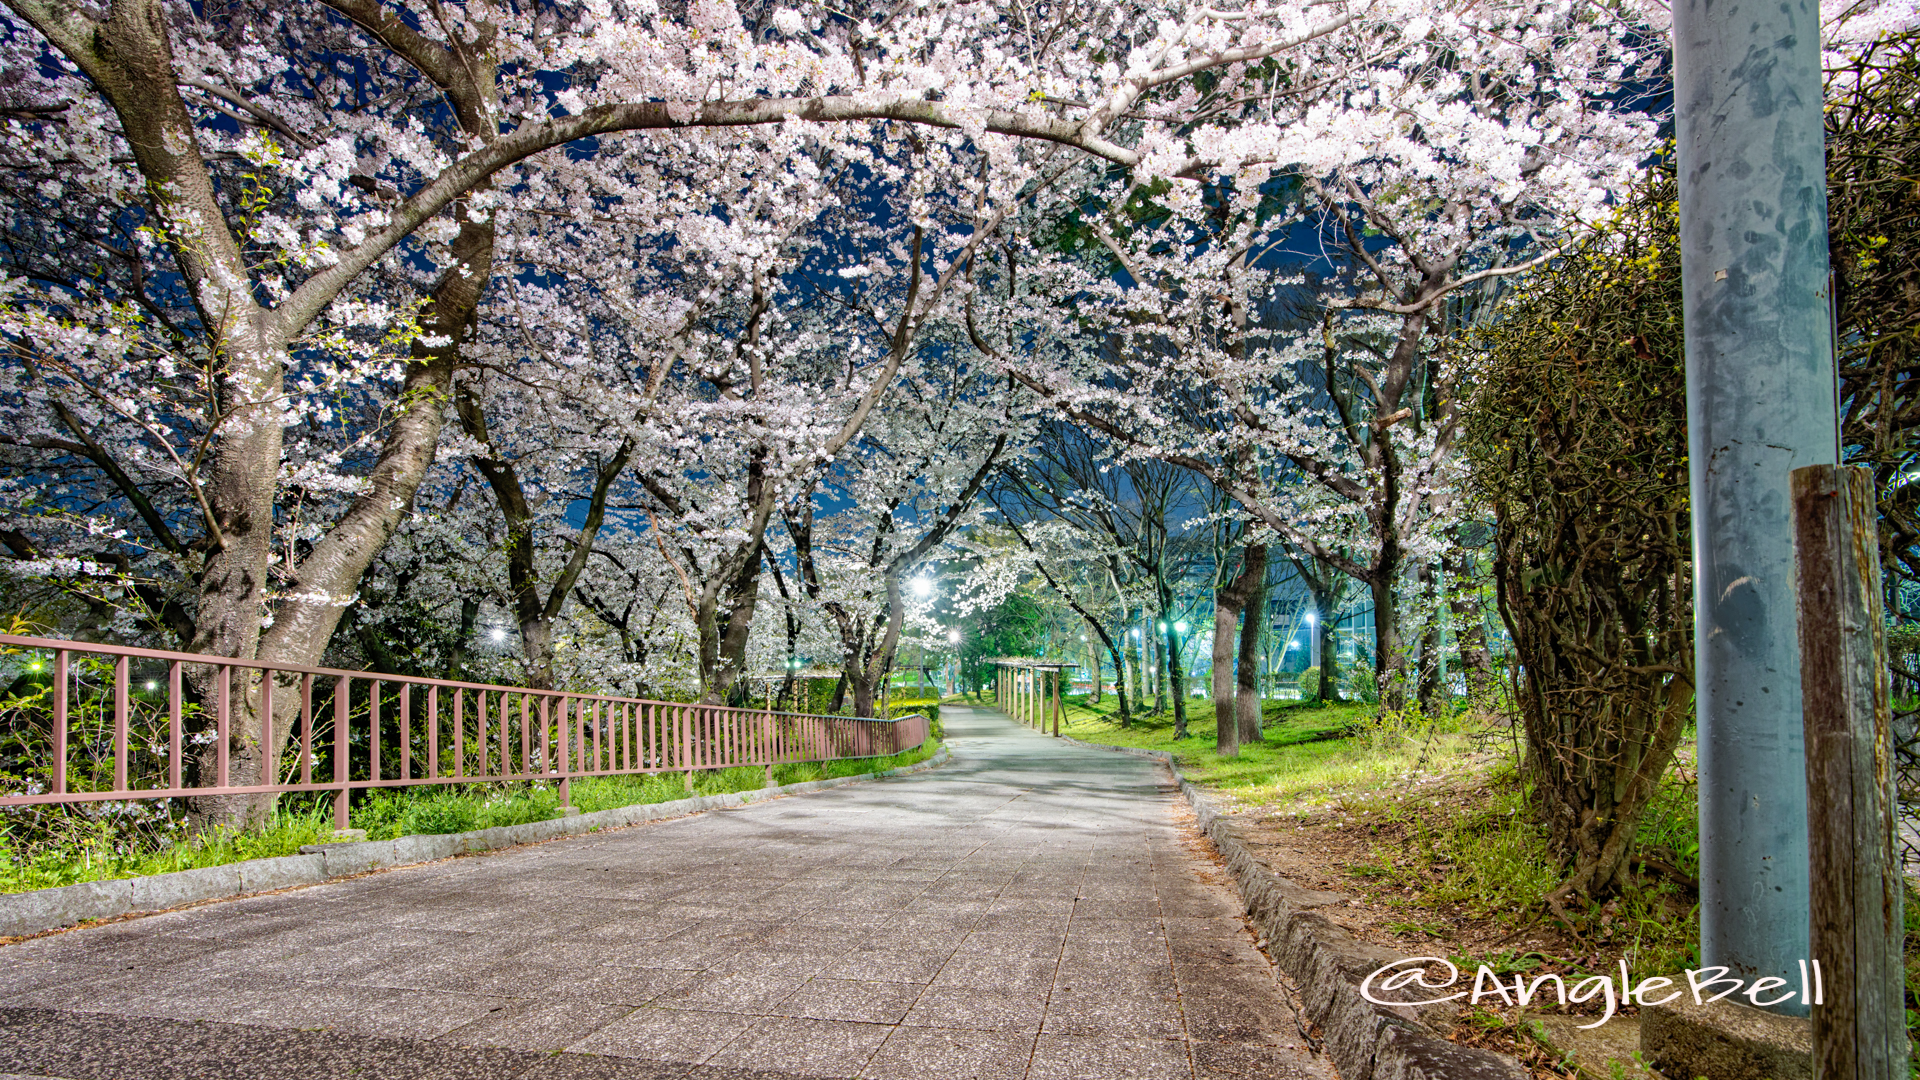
x=97, y=847
x=1462, y=834
x=1308, y=750
x=89, y=848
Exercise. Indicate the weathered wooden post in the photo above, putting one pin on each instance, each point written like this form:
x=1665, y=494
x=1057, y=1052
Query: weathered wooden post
x=1859, y=1020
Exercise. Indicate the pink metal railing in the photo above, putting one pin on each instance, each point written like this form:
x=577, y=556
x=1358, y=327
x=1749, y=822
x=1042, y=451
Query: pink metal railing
x=489, y=733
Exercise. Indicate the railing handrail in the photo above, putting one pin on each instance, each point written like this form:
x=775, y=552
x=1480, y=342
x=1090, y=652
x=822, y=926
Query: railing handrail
x=136, y=652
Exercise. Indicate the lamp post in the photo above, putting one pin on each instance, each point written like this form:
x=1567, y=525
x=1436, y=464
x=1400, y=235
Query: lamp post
x=1761, y=389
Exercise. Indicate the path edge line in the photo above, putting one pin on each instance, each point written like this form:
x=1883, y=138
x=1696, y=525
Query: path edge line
x=23, y=914
x=1366, y=1041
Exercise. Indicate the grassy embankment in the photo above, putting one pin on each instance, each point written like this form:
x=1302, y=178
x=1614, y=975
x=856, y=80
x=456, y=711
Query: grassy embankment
x=1452, y=837
x=97, y=850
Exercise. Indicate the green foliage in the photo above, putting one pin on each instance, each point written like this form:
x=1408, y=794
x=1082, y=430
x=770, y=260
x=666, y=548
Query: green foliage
x=927, y=707
x=1011, y=628
x=101, y=849
x=1873, y=221
x=802, y=772
x=1309, y=684
x=426, y=811
x=1305, y=748
x=1362, y=684
x=1575, y=425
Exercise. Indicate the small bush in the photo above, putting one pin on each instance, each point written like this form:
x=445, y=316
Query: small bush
x=1361, y=684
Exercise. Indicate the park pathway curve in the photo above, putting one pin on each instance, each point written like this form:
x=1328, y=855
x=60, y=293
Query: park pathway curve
x=1030, y=910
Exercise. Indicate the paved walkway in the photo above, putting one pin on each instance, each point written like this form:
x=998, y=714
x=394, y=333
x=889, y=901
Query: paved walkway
x=1029, y=910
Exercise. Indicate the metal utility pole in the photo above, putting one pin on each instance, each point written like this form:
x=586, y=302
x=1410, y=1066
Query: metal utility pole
x=1760, y=403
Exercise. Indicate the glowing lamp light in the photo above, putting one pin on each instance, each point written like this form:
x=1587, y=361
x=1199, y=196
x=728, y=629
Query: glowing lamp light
x=1180, y=627
x=953, y=636
x=35, y=666
x=1309, y=618
x=922, y=588
x=152, y=686
x=499, y=634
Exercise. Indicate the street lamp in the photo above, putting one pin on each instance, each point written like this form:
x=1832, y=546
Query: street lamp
x=953, y=636
x=922, y=588
x=499, y=634
x=1179, y=628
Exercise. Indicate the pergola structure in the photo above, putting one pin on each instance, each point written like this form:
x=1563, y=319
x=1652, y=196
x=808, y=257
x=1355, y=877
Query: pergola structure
x=1021, y=688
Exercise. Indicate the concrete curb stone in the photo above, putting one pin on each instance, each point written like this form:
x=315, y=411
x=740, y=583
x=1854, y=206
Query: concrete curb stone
x=265, y=875
x=1366, y=1041
x=26, y=913
x=185, y=886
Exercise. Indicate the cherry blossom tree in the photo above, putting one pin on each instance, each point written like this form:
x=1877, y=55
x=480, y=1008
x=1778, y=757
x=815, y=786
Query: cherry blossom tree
x=908, y=487
x=252, y=243
x=1426, y=162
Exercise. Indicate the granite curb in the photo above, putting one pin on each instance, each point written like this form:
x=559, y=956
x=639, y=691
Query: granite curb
x=1366, y=1041
x=25, y=913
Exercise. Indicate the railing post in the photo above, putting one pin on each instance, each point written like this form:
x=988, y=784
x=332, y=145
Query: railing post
x=1857, y=930
x=176, y=733
x=373, y=729
x=565, y=758
x=686, y=744
x=766, y=736
x=269, y=754
x=459, y=733
x=306, y=722
x=60, y=663
x=120, y=676
x=223, y=727
x=342, y=714
x=526, y=743
x=406, y=731
x=432, y=731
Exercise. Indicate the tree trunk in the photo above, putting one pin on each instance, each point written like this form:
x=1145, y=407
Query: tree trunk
x=1176, y=675
x=1247, y=703
x=745, y=597
x=1120, y=684
x=1229, y=601
x=1093, y=670
x=1226, y=723
x=1130, y=667
x=1329, y=656
x=1434, y=697
x=1156, y=671
x=863, y=695
x=1389, y=666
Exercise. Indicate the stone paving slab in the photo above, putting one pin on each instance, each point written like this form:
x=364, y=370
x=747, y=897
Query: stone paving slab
x=1031, y=911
